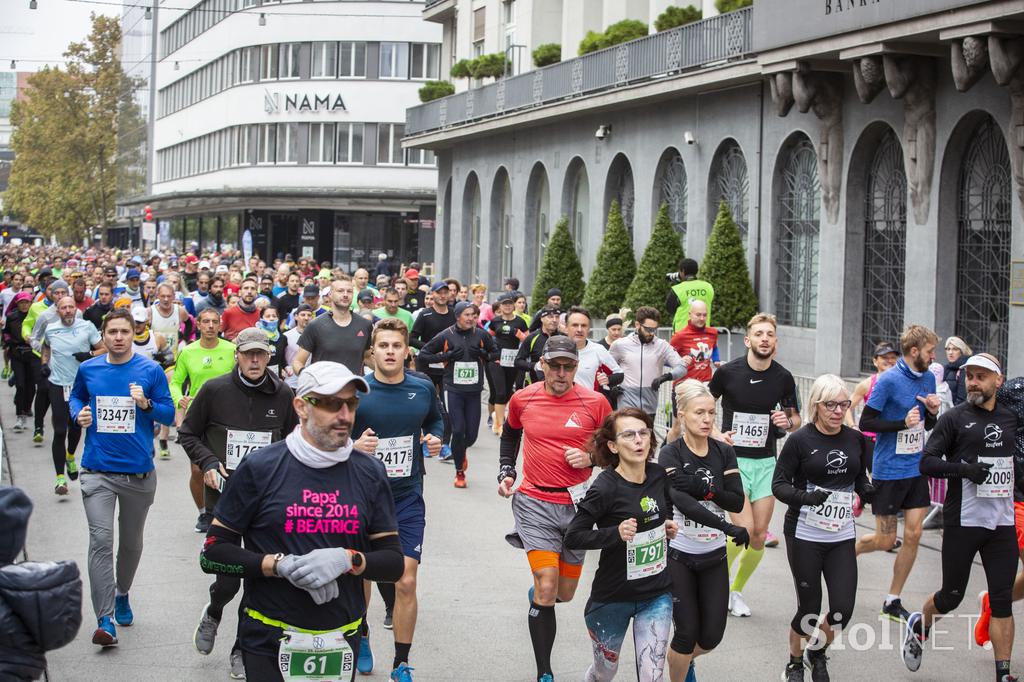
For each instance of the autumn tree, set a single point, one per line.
(68, 163)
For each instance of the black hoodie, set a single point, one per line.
(40, 602)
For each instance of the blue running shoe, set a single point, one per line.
(446, 453)
(403, 673)
(546, 677)
(530, 594)
(123, 610)
(106, 633)
(365, 662)
(691, 674)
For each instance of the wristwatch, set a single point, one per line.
(277, 560)
(357, 560)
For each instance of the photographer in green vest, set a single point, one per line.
(686, 288)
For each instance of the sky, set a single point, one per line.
(36, 37)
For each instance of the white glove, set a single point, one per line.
(319, 567)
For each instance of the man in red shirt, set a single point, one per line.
(243, 314)
(82, 300)
(697, 344)
(553, 419)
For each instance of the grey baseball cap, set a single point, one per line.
(252, 339)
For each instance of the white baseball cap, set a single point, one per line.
(328, 378)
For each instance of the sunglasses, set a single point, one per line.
(332, 403)
(562, 366)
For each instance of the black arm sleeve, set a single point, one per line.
(862, 485)
(223, 554)
(939, 443)
(431, 351)
(523, 363)
(930, 420)
(508, 452)
(730, 499)
(694, 510)
(416, 333)
(785, 473)
(384, 562)
(871, 420)
(615, 379)
(671, 305)
(581, 533)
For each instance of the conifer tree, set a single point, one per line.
(560, 269)
(614, 270)
(725, 267)
(662, 255)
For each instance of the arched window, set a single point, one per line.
(580, 205)
(620, 189)
(471, 225)
(672, 191)
(885, 247)
(799, 208)
(983, 243)
(732, 185)
(503, 204)
(538, 200)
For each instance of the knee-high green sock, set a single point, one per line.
(749, 559)
(732, 550)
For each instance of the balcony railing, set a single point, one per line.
(694, 46)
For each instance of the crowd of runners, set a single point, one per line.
(308, 398)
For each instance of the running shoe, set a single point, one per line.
(465, 462)
(691, 673)
(37, 436)
(460, 479)
(403, 673)
(203, 522)
(981, 627)
(206, 633)
(165, 453)
(61, 486)
(794, 672)
(364, 664)
(6, 372)
(912, 649)
(894, 611)
(895, 546)
(816, 661)
(446, 454)
(490, 420)
(529, 595)
(72, 466)
(770, 540)
(237, 665)
(546, 677)
(388, 621)
(123, 610)
(737, 606)
(106, 633)
(19, 423)
(1008, 678)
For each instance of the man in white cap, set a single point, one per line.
(317, 519)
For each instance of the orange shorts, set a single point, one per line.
(540, 558)
(1018, 515)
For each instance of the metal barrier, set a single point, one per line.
(701, 44)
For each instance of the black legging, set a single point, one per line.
(809, 561)
(66, 433)
(24, 386)
(464, 411)
(502, 382)
(42, 402)
(998, 549)
(700, 599)
(438, 381)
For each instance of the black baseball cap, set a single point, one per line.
(310, 290)
(884, 348)
(554, 292)
(560, 347)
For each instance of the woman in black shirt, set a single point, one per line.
(629, 505)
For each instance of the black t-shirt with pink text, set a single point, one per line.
(279, 504)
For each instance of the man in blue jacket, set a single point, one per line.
(118, 399)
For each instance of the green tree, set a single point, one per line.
(614, 270)
(489, 65)
(432, 90)
(674, 16)
(547, 54)
(662, 255)
(560, 269)
(725, 267)
(724, 6)
(65, 139)
(619, 32)
(461, 69)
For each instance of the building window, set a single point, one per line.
(394, 60)
(479, 24)
(799, 210)
(287, 143)
(323, 60)
(885, 248)
(389, 144)
(620, 189)
(241, 142)
(321, 142)
(352, 60)
(350, 143)
(672, 191)
(421, 157)
(425, 61)
(268, 62)
(580, 203)
(732, 186)
(984, 233)
(288, 60)
(266, 149)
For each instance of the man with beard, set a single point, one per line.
(759, 405)
(214, 298)
(902, 406)
(289, 299)
(243, 314)
(643, 358)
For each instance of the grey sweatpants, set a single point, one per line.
(100, 494)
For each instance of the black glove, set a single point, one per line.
(867, 496)
(975, 472)
(44, 371)
(506, 471)
(693, 485)
(738, 534)
(656, 384)
(456, 353)
(84, 355)
(815, 498)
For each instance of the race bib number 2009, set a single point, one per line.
(323, 657)
(1000, 477)
(115, 414)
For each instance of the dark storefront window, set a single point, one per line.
(359, 237)
(229, 232)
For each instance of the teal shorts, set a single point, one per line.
(756, 475)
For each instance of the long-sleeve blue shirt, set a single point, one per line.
(115, 448)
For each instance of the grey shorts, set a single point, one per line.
(541, 526)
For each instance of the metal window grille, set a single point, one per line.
(623, 193)
(733, 186)
(983, 243)
(673, 190)
(885, 247)
(798, 230)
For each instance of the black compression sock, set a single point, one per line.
(387, 593)
(163, 444)
(796, 660)
(401, 654)
(1002, 669)
(364, 631)
(542, 634)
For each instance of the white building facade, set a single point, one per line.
(285, 119)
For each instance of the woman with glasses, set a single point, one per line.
(820, 470)
(627, 503)
(705, 484)
(957, 352)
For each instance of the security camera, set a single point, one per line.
(603, 131)
(689, 138)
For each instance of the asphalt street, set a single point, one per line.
(473, 603)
